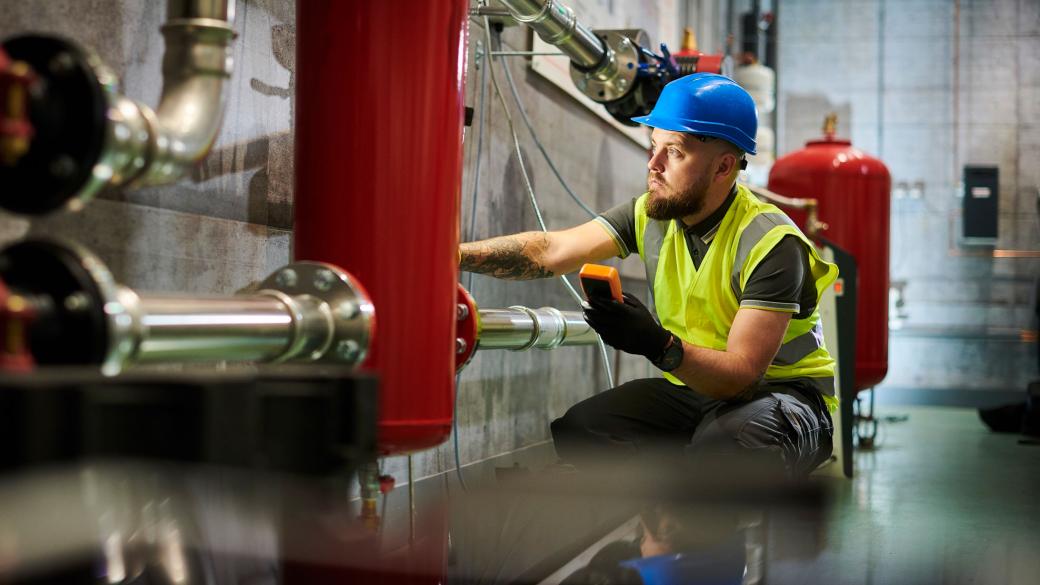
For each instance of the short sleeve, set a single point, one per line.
(779, 282)
(620, 222)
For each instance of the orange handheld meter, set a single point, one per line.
(600, 281)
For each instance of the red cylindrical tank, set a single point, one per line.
(379, 116)
(853, 190)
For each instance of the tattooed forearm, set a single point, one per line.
(516, 257)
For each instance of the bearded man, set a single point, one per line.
(734, 324)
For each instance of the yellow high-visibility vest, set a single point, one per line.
(699, 304)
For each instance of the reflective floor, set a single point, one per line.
(940, 500)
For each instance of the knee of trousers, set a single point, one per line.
(575, 420)
(750, 426)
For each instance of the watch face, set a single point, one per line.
(672, 356)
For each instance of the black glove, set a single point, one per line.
(627, 326)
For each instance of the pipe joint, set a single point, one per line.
(103, 139)
(557, 25)
(520, 328)
(306, 311)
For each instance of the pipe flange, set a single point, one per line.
(346, 302)
(93, 318)
(68, 108)
(467, 330)
(616, 75)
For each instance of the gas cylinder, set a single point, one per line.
(854, 194)
(378, 117)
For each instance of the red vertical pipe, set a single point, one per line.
(379, 117)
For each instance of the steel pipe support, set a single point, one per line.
(306, 311)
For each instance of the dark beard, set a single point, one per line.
(688, 202)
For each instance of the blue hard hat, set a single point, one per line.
(706, 104)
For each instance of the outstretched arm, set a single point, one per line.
(531, 255)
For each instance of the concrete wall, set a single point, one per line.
(888, 68)
(231, 224)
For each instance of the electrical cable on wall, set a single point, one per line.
(470, 234)
(530, 189)
(471, 227)
(548, 159)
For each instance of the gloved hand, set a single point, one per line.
(627, 326)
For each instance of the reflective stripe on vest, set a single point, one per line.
(691, 302)
(800, 347)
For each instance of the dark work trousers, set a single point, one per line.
(787, 424)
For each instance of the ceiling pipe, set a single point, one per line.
(89, 137)
(556, 23)
(605, 64)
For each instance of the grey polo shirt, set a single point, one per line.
(782, 281)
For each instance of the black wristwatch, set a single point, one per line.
(672, 355)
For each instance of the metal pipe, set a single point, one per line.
(556, 23)
(525, 54)
(142, 146)
(196, 65)
(811, 206)
(519, 328)
(186, 328)
(307, 311)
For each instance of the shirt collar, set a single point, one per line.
(707, 228)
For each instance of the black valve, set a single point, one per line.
(67, 109)
(69, 327)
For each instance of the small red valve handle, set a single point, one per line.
(16, 314)
(16, 130)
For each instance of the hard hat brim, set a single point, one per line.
(701, 128)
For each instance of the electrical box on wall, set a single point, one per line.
(981, 204)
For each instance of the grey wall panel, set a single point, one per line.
(912, 128)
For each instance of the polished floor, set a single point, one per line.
(941, 499)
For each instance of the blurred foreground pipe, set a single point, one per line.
(306, 311)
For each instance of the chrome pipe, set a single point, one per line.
(215, 9)
(519, 328)
(199, 329)
(604, 64)
(196, 67)
(557, 25)
(306, 311)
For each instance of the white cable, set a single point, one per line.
(530, 189)
(470, 228)
(538, 143)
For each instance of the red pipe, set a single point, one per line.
(379, 117)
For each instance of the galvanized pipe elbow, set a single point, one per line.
(196, 66)
(91, 137)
